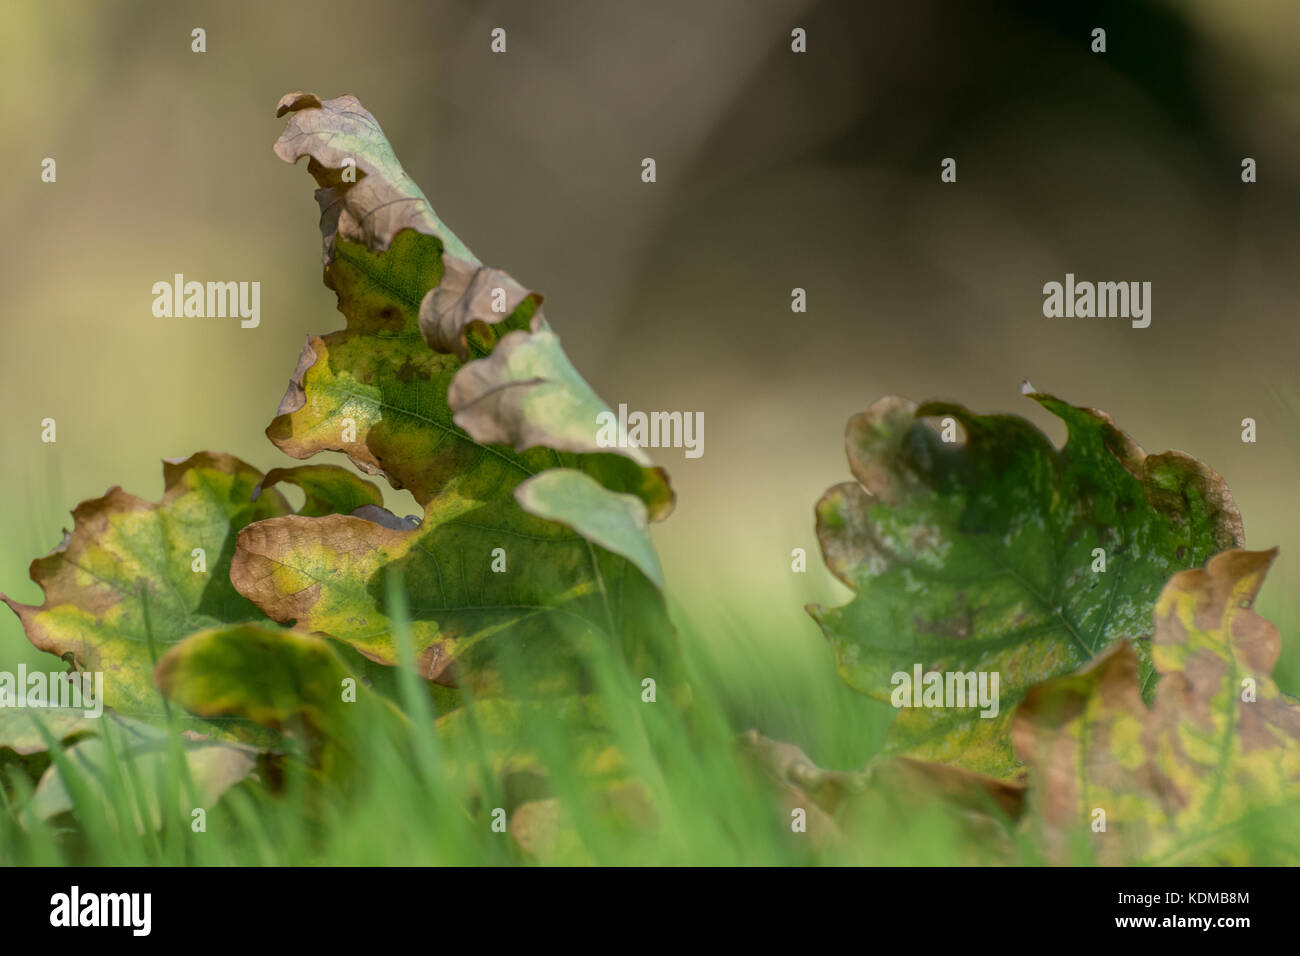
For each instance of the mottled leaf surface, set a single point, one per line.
(1210, 774)
(375, 199)
(282, 680)
(328, 489)
(126, 584)
(977, 556)
(121, 589)
(556, 591)
(378, 392)
(375, 390)
(527, 394)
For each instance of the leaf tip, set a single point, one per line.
(298, 100)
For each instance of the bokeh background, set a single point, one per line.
(775, 170)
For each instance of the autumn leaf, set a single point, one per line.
(998, 554)
(282, 680)
(133, 577)
(328, 489)
(447, 381)
(1210, 774)
(19, 731)
(376, 390)
(144, 759)
(554, 591)
(854, 811)
(380, 200)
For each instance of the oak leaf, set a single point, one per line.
(1209, 774)
(997, 554)
(448, 382)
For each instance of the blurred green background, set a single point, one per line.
(775, 170)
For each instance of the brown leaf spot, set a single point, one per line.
(411, 369)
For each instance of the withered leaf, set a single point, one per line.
(134, 577)
(467, 421)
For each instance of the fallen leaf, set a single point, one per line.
(391, 261)
(495, 558)
(977, 556)
(1210, 774)
(282, 680)
(133, 577)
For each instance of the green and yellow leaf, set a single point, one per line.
(328, 489)
(1210, 774)
(985, 555)
(134, 577)
(448, 382)
(282, 680)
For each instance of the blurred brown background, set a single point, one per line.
(775, 170)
